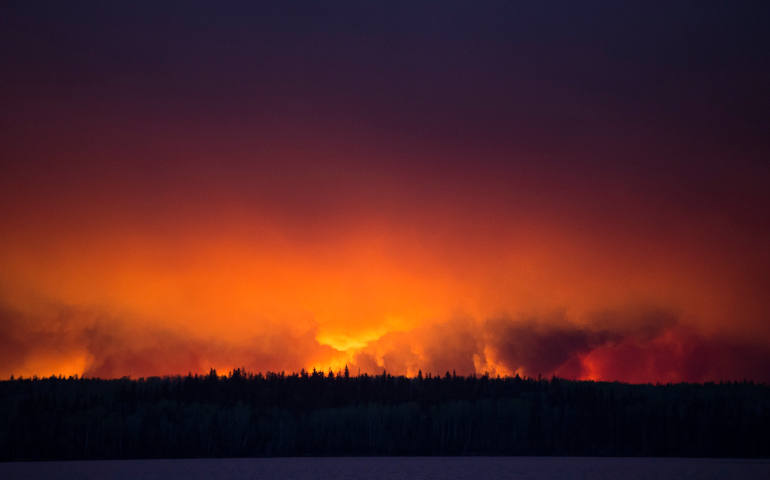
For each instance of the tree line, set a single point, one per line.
(311, 413)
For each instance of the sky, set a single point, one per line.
(537, 188)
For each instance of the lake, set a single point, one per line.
(444, 468)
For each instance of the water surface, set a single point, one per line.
(444, 468)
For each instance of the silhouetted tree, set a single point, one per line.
(245, 414)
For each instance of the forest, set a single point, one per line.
(241, 414)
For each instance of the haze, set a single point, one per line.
(578, 190)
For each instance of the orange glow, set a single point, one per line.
(494, 191)
(381, 297)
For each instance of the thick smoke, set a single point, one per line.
(635, 345)
(110, 347)
(552, 345)
(436, 348)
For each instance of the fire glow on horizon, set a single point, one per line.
(402, 203)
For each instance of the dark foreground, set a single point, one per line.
(315, 415)
(444, 468)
